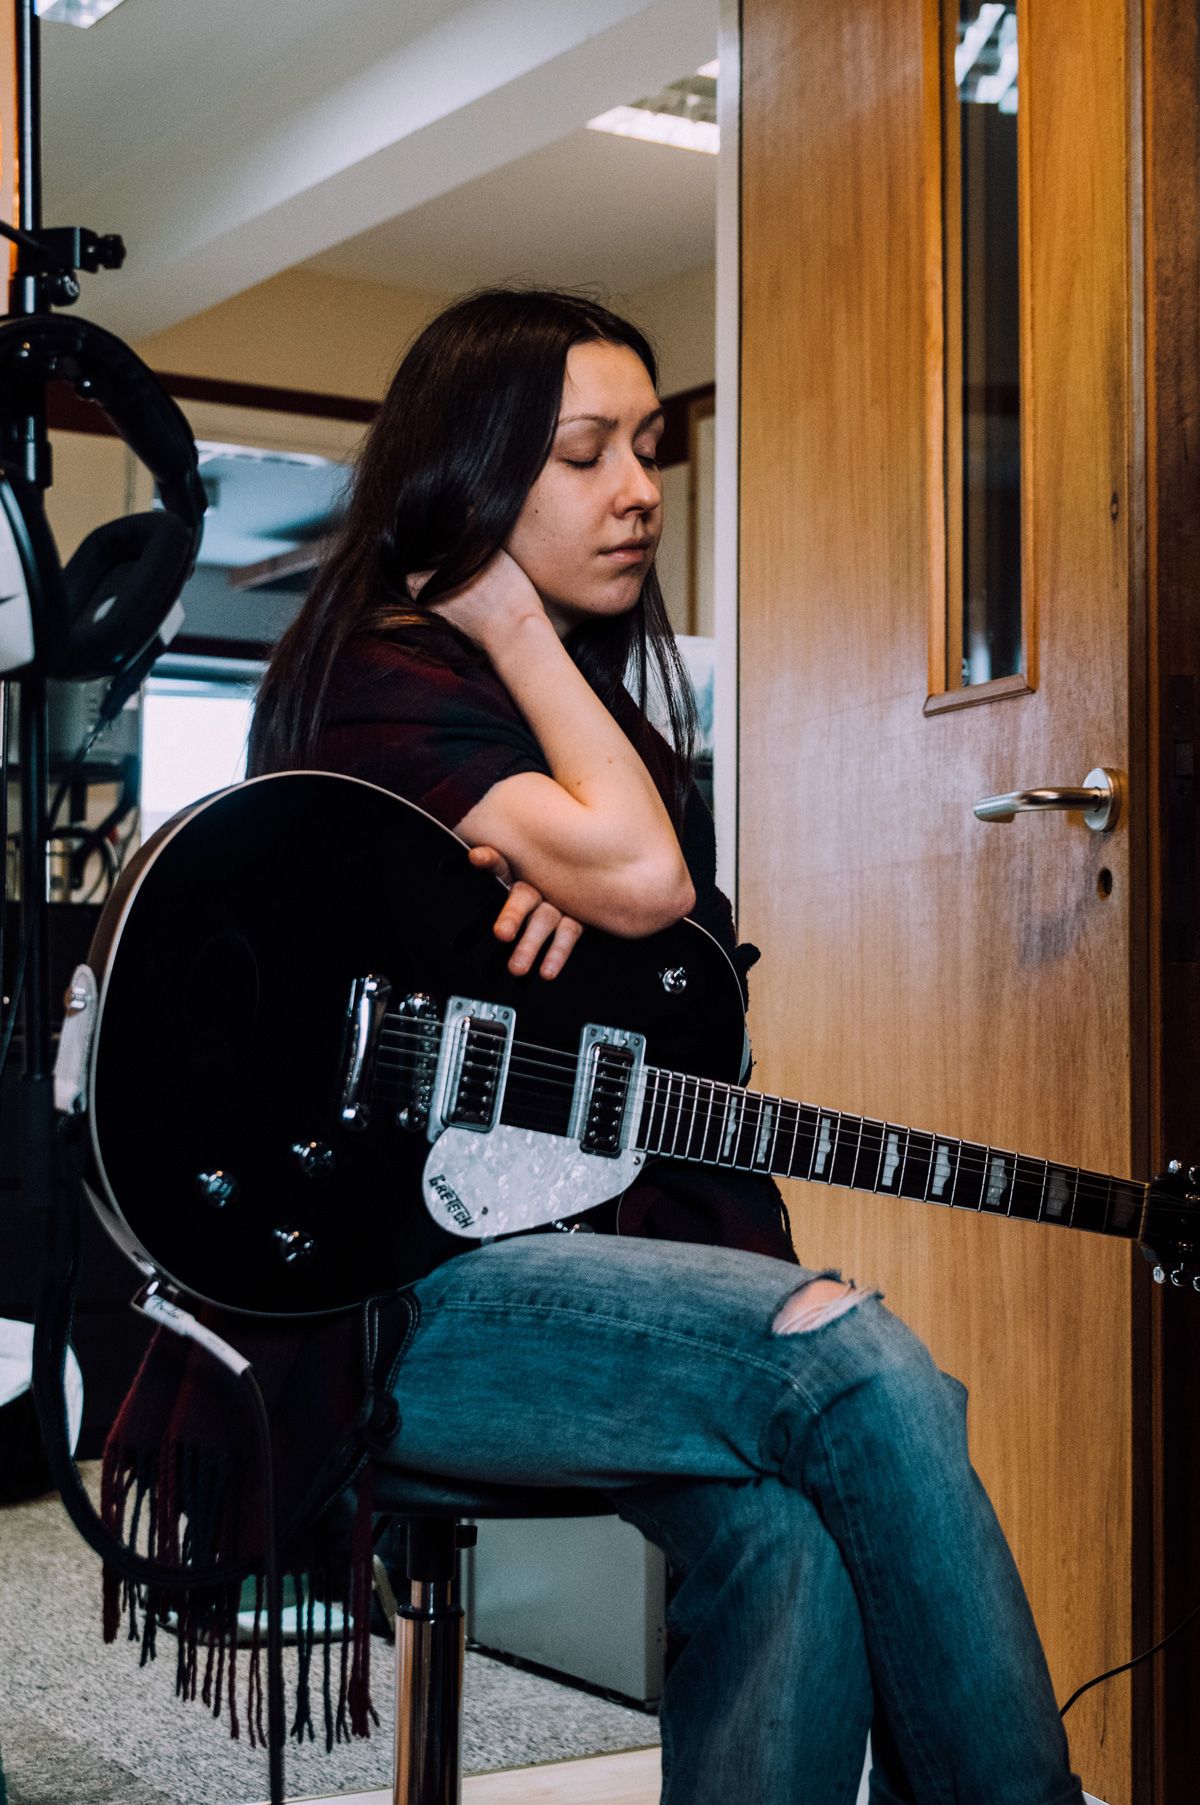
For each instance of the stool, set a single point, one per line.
(430, 1627)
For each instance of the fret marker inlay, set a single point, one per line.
(764, 1135)
(891, 1160)
(941, 1170)
(824, 1144)
(1056, 1194)
(997, 1182)
(733, 1121)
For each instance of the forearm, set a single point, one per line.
(588, 754)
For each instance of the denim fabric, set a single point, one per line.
(840, 1566)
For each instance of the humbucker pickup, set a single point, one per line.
(472, 1066)
(608, 1078)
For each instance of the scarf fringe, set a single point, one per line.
(184, 1507)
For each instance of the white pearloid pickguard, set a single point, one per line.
(479, 1185)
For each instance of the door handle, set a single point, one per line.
(1100, 797)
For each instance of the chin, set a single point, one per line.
(603, 606)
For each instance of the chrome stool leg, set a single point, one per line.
(430, 1634)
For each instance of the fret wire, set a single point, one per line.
(687, 1151)
(954, 1180)
(748, 1126)
(737, 1121)
(650, 1104)
(666, 1113)
(754, 1102)
(908, 1134)
(683, 1103)
(655, 1105)
(678, 1115)
(663, 1101)
(812, 1158)
(775, 1135)
(791, 1158)
(862, 1122)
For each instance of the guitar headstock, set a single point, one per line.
(1171, 1234)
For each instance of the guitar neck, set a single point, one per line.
(708, 1123)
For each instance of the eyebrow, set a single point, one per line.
(651, 418)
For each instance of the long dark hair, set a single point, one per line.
(464, 430)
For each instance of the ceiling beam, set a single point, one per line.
(351, 130)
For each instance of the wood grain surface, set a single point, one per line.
(920, 966)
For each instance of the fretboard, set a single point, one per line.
(713, 1124)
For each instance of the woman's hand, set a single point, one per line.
(491, 605)
(528, 919)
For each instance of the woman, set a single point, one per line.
(793, 1448)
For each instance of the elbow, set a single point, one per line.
(653, 898)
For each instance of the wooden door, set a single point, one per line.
(986, 981)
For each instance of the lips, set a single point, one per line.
(628, 548)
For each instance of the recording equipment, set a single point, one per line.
(114, 605)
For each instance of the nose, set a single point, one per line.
(639, 490)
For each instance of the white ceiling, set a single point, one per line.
(591, 208)
(430, 143)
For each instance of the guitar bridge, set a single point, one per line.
(472, 1066)
(608, 1078)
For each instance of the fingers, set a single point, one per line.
(522, 901)
(559, 951)
(486, 858)
(540, 927)
(536, 927)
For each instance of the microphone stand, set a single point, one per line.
(46, 275)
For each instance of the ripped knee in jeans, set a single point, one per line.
(817, 1302)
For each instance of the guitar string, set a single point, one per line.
(871, 1139)
(974, 1159)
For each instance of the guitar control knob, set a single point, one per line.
(314, 1158)
(673, 979)
(293, 1245)
(1179, 1277)
(216, 1188)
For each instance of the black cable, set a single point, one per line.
(1136, 1661)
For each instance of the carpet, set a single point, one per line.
(80, 1721)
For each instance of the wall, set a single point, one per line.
(300, 330)
(306, 330)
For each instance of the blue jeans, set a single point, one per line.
(840, 1566)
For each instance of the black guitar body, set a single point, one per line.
(225, 961)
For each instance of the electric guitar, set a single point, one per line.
(310, 1078)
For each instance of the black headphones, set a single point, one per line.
(102, 614)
